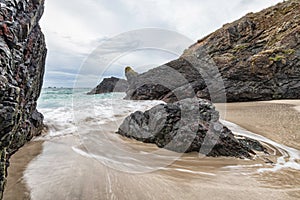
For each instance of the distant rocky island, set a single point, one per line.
(257, 56)
(114, 84)
(109, 85)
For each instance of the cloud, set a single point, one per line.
(74, 28)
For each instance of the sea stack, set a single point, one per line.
(23, 53)
(109, 85)
(130, 74)
(257, 57)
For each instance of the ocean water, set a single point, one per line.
(65, 109)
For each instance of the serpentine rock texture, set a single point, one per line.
(22, 58)
(109, 85)
(254, 58)
(186, 126)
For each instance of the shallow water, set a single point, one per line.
(83, 158)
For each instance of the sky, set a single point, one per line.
(78, 31)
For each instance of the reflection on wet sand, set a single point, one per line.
(95, 165)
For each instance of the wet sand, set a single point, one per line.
(277, 120)
(60, 173)
(16, 187)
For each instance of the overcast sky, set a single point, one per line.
(74, 28)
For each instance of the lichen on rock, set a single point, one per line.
(130, 75)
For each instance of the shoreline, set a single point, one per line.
(265, 118)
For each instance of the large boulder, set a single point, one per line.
(254, 58)
(109, 85)
(22, 56)
(186, 126)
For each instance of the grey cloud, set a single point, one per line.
(73, 28)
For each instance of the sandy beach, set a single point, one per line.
(16, 187)
(52, 170)
(277, 120)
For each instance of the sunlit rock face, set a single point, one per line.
(22, 57)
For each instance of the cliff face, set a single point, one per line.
(22, 58)
(258, 57)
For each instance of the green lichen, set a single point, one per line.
(277, 58)
(276, 96)
(289, 51)
(240, 47)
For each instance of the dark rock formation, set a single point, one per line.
(254, 58)
(109, 85)
(185, 126)
(22, 57)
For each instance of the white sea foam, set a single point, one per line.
(193, 172)
(79, 110)
(290, 156)
(59, 121)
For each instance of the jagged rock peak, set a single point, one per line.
(130, 75)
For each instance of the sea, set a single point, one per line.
(64, 108)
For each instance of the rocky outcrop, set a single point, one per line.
(186, 126)
(130, 74)
(256, 58)
(109, 85)
(22, 56)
